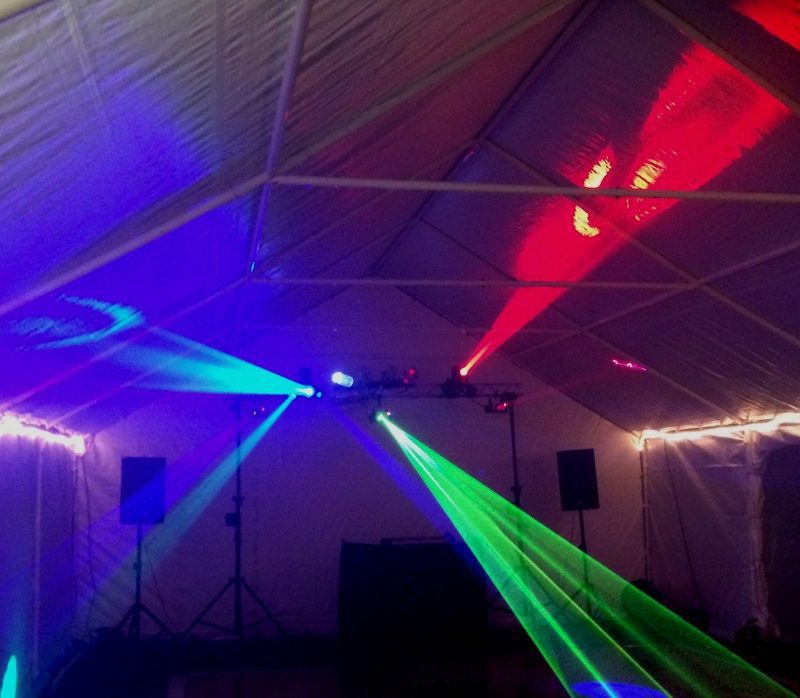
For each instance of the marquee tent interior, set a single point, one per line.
(574, 217)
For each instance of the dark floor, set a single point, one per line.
(504, 665)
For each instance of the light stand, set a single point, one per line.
(237, 582)
(516, 488)
(134, 614)
(587, 586)
(505, 403)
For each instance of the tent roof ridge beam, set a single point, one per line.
(419, 214)
(341, 258)
(157, 231)
(438, 74)
(538, 67)
(294, 52)
(789, 198)
(340, 326)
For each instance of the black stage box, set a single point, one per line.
(410, 596)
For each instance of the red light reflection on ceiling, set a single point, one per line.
(580, 218)
(781, 18)
(706, 116)
(628, 365)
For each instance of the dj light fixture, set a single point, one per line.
(342, 379)
(500, 403)
(456, 385)
(601, 635)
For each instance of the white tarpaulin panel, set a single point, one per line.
(718, 505)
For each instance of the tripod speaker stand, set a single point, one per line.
(237, 582)
(137, 609)
(141, 502)
(577, 481)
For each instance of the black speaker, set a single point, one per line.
(577, 479)
(142, 490)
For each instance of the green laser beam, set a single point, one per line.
(601, 635)
(562, 640)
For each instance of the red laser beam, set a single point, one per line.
(705, 117)
(781, 18)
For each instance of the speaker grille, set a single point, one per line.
(577, 479)
(142, 490)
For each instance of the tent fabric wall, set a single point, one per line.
(37, 570)
(781, 517)
(705, 525)
(134, 138)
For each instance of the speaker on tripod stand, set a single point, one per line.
(141, 502)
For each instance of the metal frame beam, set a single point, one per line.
(294, 52)
(773, 198)
(327, 229)
(470, 283)
(508, 104)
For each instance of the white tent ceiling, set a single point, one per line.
(147, 163)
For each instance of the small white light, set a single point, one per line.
(339, 378)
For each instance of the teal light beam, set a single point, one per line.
(122, 318)
(183, 514)
(199, 368)
(8, 689)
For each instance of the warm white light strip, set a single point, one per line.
(695, 433)
(12, 425)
